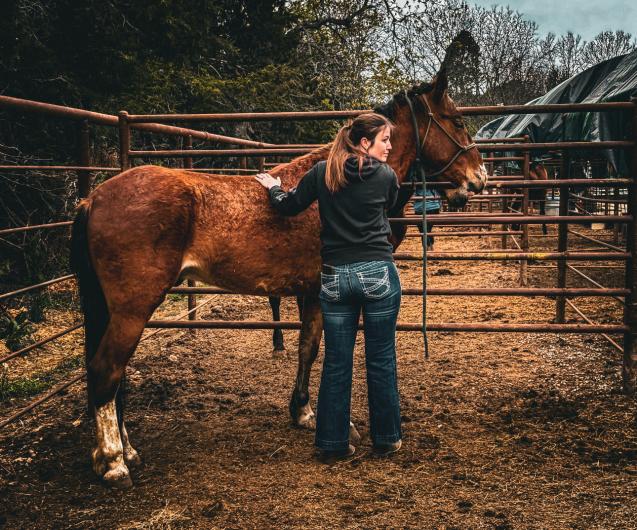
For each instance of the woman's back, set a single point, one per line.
(354, 224)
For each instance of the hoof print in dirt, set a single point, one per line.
(214, 509)
(464, 506)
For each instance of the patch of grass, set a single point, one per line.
(176, 297)
(23, 387)
(15, 330)
(20, 388)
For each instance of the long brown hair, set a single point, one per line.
(346, 144)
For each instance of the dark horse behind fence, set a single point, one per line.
(141, 232)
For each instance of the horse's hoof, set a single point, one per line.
(354, 435)
(132, 458)
(279, 353)
(118, 477)
(307, 421)
(305, 417)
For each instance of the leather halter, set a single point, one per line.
(432, 119)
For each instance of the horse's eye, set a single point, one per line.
(458, 123)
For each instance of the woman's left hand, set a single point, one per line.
(267, 181)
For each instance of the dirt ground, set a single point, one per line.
(501, 431)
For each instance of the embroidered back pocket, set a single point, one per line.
(375, 282)
(329, 287)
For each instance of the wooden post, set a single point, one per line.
(192, 298)
(562, 242)
(124, 140)
(629, 367)
(526, 168)
(84, 159)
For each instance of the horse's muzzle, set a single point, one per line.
(458, 197)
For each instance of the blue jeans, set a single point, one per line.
(374, 287)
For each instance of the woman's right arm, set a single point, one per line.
(297, 199)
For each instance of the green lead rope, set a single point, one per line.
(418, 171)
(424, 261)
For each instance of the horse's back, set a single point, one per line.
(163, 224)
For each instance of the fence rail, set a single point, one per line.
(509, 184)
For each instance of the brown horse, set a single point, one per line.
(142, 231)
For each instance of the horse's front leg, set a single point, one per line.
(309, 342)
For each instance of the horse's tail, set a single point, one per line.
(92, 298)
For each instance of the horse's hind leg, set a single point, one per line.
(131, 456)
(104, 372)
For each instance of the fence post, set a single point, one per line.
(562, 241)
(124, 139)
(526, 168)
(616, 226)
(84, 159)
(629, 366)
(192, 298)
(505, 208)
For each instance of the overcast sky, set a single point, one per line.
(586, 17)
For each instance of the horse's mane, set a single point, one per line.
(305, 162)
(389, 109)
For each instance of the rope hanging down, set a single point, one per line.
(416, 171)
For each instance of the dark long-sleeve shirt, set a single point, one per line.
(354, 225)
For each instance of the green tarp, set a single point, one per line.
(611, 80)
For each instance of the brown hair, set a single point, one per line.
(346, 144)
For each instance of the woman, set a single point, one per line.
(354, 188)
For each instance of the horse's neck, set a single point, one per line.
(400, 160)
(403, 153)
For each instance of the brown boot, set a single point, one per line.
(331, 457)
(388, 449)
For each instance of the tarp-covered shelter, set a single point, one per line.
(611, 80)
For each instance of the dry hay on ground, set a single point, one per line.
(500, 430)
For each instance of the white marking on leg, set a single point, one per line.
(305, 417)
(108, 458)
(354, 436)
(131, 456)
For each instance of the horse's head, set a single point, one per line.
(448, 152)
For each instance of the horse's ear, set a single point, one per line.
(440, 82)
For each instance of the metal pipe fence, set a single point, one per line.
(153, 123)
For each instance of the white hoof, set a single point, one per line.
(118, 477)
(305, 417)
(279, 354)
(112, 471)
